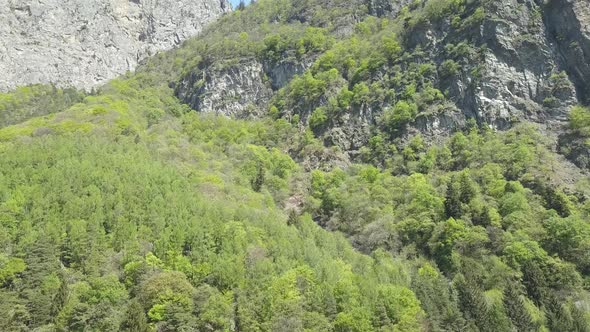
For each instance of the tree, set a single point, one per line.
(293, 219)
(39, 280)
(515, 308)
(581, 323)
(559, 317)
(453, 207)
(441, 305)
(395, 118)
(473, 303)
(135, 319)
(535, 282)
(259, 178)
(61, 297)
(460, 151)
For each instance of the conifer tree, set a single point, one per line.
(135, 320)
(293, 219)
(473, 303)
(581, 323)
(258, 180)
(534, 281)
(516, 310)
(559, 317)
(61, 297)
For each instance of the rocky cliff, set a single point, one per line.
(241, 89)
(84, 43)
(497, 63)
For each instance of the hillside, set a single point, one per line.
(310, 165)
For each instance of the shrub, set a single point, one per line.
(399, 115)
(580, 119)
(318, 118)
(449, 68)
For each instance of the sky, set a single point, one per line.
(236, 2)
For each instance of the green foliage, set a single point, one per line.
(215, 245)
(35, 100)
(437, 9)
(398, 116)
(516, 309)
(580, 120)
(9, 268)
(455, 218)
(135, 320)
(124, 210)
(290, 40)
(318, 118)
(437, 299)
(473, 303)
(449, 68)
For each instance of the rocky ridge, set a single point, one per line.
(527, 61)
(84, 43)
(241, 89)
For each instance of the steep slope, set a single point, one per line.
(567, 23)
(395, 172)
(495, 62)
(128, 200)
(85, 43)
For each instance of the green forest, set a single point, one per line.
(123, 209)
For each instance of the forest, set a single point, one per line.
(123, 209)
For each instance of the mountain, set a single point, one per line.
(83, 44)
(312, 165)
(498, 63)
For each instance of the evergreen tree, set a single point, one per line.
(453, 208)
(293, 219)
(468, 188)
(535, 282)
(259, 178)
(473, 303)
(581, 323)
(382, 319)
(498, 320)
(516, 310)
(438, 300)
(135, 320)
(558, 316)
(61, 297)
(42, 262)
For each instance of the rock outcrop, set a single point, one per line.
(496, 63)
(84, 43)
(568, 23)
(232, 90)
(529, 61)
(239, 90)
(519, 73)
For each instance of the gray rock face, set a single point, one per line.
(520, 70)
(521, 79)
(533, 66)
(84, 43)
(233, 90)
(238, 90)
(282, 72)
(386, 7)
(568, 23)
(518, 60)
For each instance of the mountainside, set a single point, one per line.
(82, 44)
(311, 165)
(498, 63)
